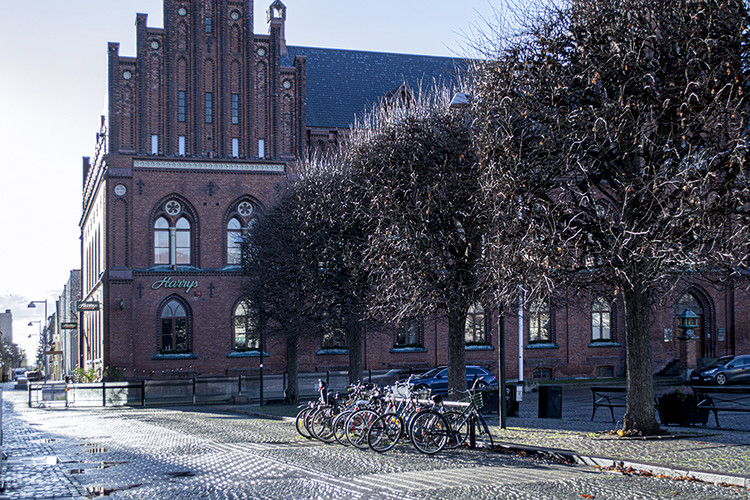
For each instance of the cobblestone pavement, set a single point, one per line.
(209, 453)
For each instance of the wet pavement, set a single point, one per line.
(245, 451)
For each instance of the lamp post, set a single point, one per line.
(32, 305)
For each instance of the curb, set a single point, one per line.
(625, 466)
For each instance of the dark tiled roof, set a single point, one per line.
(342, 84)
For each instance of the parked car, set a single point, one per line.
(394, 375)
(35, 376)
(18, 373)
(722, 371)
(437, 379)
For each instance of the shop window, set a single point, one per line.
(175, 334)
(539, 322)
(409, 333)
(245, 325)
(601, 320)
(475, 332)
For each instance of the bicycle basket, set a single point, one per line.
(477, 399)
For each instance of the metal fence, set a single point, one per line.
(200, 390)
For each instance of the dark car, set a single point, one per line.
(395, 375)
(724, 370)
(437, 379)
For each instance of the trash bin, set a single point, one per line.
(511, 400)
(490, 401)
(550, 401)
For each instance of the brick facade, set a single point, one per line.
(203, 126)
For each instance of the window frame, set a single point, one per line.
(409, 333)
(208, 105)
(186, 318)
(535, 317)
(479, 327)
(599, 313)
(251, 323)
(179, 233)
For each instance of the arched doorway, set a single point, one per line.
(692, 300)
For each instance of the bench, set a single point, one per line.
(609, 397)
(718, 399)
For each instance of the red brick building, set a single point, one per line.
(203, 127)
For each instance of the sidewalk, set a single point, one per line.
(705, 453)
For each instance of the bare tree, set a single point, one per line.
(614, 132)
(276, 262)
(413, 160)
(330, 214)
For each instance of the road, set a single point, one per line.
(202, 452)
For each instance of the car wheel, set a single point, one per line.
(721, 379)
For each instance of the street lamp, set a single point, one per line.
(32, 305)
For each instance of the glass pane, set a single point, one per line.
(161, 255)
(606, 326)
(161, 223)
(180, 334)
(166, 334)
(234, 224)
(239, 340)
(183, 256)
(183, 239)
(161, 239)
(182, 223)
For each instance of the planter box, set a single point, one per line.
(680, 409)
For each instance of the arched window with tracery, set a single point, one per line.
(175, 328)
(173, 235)
(238, 228)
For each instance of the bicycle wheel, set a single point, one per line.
(385, 432)
(299, 423)
(430, 432)
(339, 427)
(357, 426)
(483, 435)
(321, 425)
(459, 428)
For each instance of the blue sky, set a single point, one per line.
(53, 56)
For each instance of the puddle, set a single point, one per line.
(181, 474)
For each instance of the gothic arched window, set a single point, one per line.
(245, 326)
(175, 334)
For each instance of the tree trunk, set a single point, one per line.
(640, 416)
(292, 357)
(457, 349)
(354, 335)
